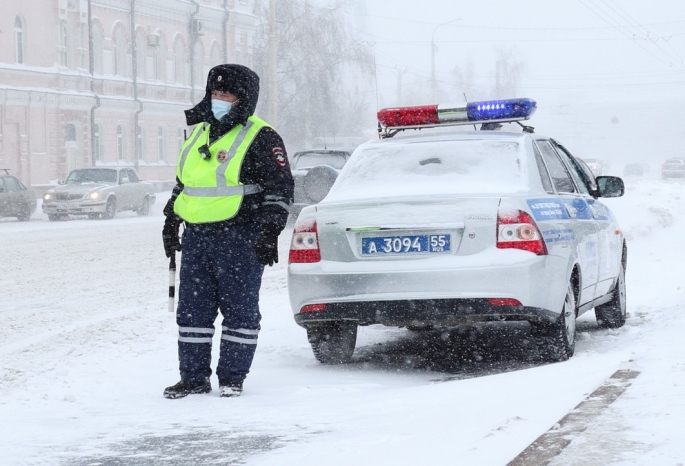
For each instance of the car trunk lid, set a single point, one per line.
(415, 228)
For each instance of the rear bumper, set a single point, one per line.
(424, 313)
(399, 293)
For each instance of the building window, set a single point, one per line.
(70, 133)
(96, 143)
(141, 54)
(216, 55)
(64, 44)
(119, 52)
(179, 61)
(97, 49)
(160, 143)
(19, 40)
(120, 143)
(198, 65)
(159, 53)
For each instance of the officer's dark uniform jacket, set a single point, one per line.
(265, 163)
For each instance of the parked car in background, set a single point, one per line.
(99, 192)
(16, 200)
(448, 228)
(598, 166)
(673, 168)
(634, 169)
(314, 172)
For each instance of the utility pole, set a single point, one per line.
(273, 65)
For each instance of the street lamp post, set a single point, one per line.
(433, 50)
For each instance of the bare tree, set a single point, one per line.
(318, 61)
(506, 79)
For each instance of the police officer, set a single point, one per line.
(234, 190)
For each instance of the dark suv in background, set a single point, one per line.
(314, 172)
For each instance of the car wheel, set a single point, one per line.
(25, 214)
(110, 209)
(613, 313)
(93, 216)
(145, 208)
(557, 341)
(56, 217)
(318, 181)
(332, 342)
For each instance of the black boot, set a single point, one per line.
(187, 387)
(229, 388)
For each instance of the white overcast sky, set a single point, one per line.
(617, 47)
(625, 58)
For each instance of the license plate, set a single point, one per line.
(62, 207)
(405, 244)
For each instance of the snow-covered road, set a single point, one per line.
(87, 346)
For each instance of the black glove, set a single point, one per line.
(170, 235)
(267, 244)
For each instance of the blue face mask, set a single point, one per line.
(220, 108)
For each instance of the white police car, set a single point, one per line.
(442, 227)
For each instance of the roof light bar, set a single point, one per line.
(473, 112)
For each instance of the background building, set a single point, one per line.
(105, 82)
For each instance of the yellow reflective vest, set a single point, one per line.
(212, 191)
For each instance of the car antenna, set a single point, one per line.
(526, 128)
(6, 170)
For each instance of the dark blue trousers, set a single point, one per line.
(219, 270)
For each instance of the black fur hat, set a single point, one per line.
(240, 81)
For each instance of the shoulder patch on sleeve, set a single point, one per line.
(279, 155)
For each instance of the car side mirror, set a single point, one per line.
(610, 186)
(61, 181)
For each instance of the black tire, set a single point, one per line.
(318, 181)
(557, 341)
(613, 313)
(25, 214)
(110, 209)
(333, 342)
(144, 210)
(56, 217)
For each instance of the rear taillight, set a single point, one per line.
(504, 302)
(304, 247)
(313, 308)
(517, 230)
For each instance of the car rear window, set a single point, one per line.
(435, 167)
(675, 161)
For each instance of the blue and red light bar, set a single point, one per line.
(473, 112)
